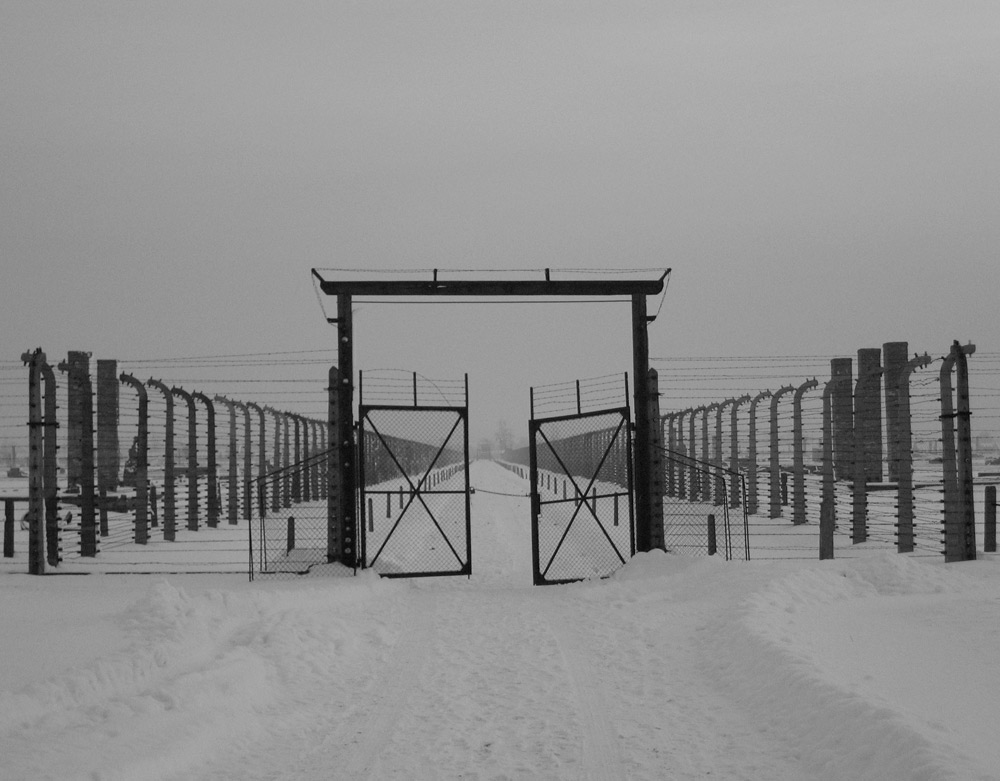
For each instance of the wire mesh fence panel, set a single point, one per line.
(701, 523)
(415, 491)
(582, 519)
(293, 541)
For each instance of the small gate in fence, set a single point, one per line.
(414, 489)
(290, 534)
(582, 512)
(704, 508)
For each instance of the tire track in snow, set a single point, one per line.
(372, 731)
(602, 754)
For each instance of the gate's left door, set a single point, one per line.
(414, 478)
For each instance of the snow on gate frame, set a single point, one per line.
(342, 543)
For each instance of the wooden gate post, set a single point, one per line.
(646, 537)
(656, 471)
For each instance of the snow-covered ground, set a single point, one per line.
(880, 666)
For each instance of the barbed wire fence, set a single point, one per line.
(208, 528)
(693, 388)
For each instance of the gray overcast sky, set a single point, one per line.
(820, 176)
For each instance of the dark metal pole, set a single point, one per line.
(347, 484)
(647, 538)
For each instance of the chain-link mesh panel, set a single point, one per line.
(414, 495)
(289, 536)
(704, 510)
(583, 519)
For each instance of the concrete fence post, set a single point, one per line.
(232, 473)
(901, 453)
(667, 437)
(286, 460)
(50, 470)
(798, 455)
(141, 529)
(297, 460)
(868, 413)
(959, 512)
(36, 507)
(680, 472)
(706, 455)
(192, 459)
(828, 500)
(752, 488)
(108, 470)
(867, 452)
(169, 489)
(990, 520)
(261, 458)
(842, 417)
(775, 459)
(82, 440)
(694, 482)
(734, 452)
(719, 493)
(212, 476)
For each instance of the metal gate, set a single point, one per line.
(414, 478)
(582, 518)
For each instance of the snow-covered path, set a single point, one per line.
(673, 668)
(490, 678)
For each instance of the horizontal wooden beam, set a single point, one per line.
(473, 288)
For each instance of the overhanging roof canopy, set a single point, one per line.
(435, 283)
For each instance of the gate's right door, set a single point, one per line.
(582, 518)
